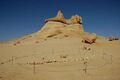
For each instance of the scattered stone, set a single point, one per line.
(43, 58)
(66, 35)
(18, 42)
(49, 61)
(41, 62)
(36, 41)
(54, 60)
(66, 60)
(86, 48)
(112, 38)
(63, 56)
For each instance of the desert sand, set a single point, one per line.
(56, 52)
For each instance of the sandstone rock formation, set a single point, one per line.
(60, 18)
(61, 26)
(74, 20)
(51, 29)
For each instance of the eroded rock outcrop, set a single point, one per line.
(74, 20)
(52, 29)
(60, 26)
(60, 18)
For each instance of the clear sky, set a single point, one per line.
(20, 17)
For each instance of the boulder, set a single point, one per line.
(89, 38)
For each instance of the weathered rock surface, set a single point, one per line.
(60, 18)
(89, 38)
(61, 26)
(74, 20)
(52, 28)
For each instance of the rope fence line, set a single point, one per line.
(106, 58)
(35, 69)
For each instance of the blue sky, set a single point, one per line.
(21, 17)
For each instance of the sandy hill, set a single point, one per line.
(61, 50)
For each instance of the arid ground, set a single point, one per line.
(57, 52)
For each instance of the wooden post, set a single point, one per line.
(85, 63)
(12, 59)
(34, 68)
(85, 69)
(111, 58)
